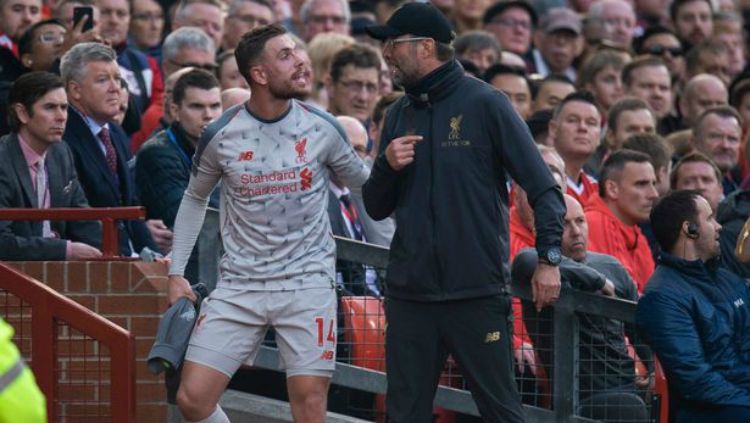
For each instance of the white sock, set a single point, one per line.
(217, 416)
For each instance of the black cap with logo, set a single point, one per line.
(419, 19)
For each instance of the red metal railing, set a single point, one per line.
(107, 215)
(54, 317)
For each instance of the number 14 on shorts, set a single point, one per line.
(331, 337)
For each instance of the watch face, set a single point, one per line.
(554, 256)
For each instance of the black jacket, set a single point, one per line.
(732, 213)
(451, 203)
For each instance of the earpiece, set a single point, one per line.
(692, 231)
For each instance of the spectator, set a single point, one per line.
(575, 127)
(662, 42)
(478, 47)
(728, 30)
(717, 134)
(513, 83)
(321, 16)
(740, 100)
(467, 14)
(37, 171)
(601, 75)
(606, 372)
(709, 56)
(41, 46)
(321, 51)
(185, 47)
(692, 20)
(702, 92)
(140, 72)
(617, 19)
(551, 91)
(63, 12)
(627, 191)
(648, 78)
(512, 23)
(207, 15)
(228, 73)
(347, 215)
(659, 153)
(100, 148)
(146, 27)
(694, 315)
(698, 173)
(353, 84)
(538, 124)
(16, 16)
(558, 42)
(234, 96)
(162, 166)
(629, 116)
(652, 13)
(733, 214)
(376, 124)
(242, 17)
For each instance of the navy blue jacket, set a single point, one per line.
(696, 318)
(451, 203)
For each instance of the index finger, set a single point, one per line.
(78, 27)
(411, 139)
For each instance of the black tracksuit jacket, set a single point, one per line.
(451, 203)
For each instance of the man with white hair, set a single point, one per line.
(319, 16)
(207, 15)
(617, 19)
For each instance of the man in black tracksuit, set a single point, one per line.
(446, 149)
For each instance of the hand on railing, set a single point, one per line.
(161, 234)
(179, 287)
(525, 357)
(545, 285)
(81, 251)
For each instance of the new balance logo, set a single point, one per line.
(245, 156)
(492, 337)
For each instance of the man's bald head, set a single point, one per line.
(356, 132)
(234, 96)
(702, 92)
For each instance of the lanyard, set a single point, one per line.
(173, 140)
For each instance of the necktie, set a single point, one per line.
(351, 215)
(110, 156)
(41, 195)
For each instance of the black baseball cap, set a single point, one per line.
(503, 5)
(420, 19)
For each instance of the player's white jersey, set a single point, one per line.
(274, 196)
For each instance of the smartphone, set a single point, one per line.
(79, 13)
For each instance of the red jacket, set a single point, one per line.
(609, 235)
(520, 238)
(588, 183)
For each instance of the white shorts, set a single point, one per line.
(232, 325)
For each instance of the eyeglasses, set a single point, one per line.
(323, 19)
(148, 17)
(52, 37)
(660, 50)
(512, 23)
(358, 86)
(392, 41)
(251, 20)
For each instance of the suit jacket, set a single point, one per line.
(22, 240)
(353, 274)
(98, 182)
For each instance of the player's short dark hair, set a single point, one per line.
(196, 78)
(670, 213)
(26, 91)
(252, 44)
(614, 164)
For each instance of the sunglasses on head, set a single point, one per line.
(660, 50)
